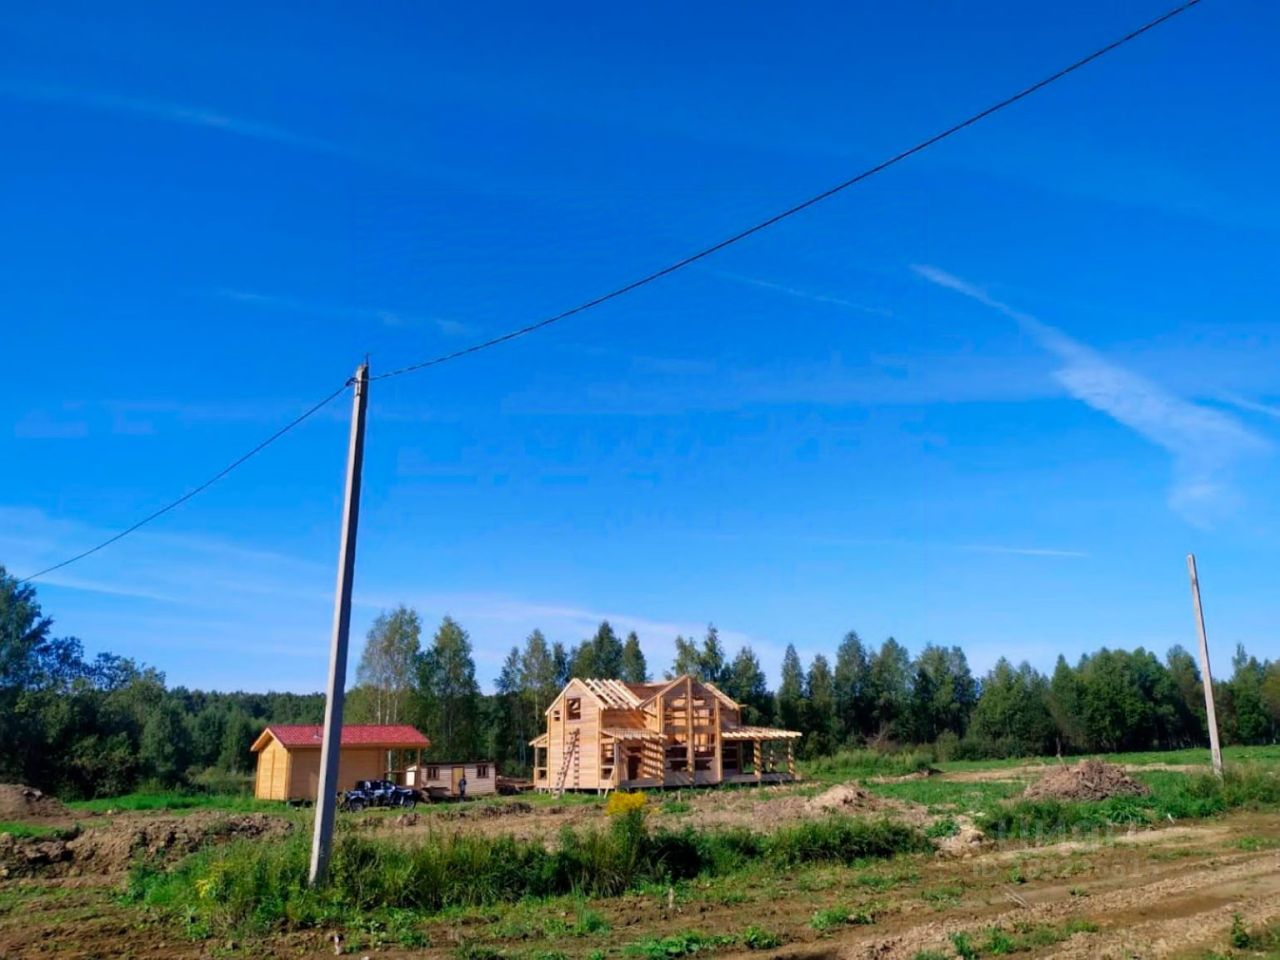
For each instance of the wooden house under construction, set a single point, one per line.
(606, 734)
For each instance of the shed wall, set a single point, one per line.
(272, 778)
(353, 765)
(477, 786)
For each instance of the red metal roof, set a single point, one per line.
(394, 736)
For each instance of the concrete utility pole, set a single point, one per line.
(331, 746)
(1210, 715)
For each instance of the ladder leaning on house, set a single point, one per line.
(570, 760)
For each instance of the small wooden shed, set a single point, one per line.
(289, 757)
(439, 776)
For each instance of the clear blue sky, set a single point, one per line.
(991, 397)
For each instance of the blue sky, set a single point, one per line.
(991, 397)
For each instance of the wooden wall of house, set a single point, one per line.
(353, 765)
(477, 785)
(585, 774)
(272, 778)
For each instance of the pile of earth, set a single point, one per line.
(115, 847)
(18, 802)
(1086, 780)
(845, 798)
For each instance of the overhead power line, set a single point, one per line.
(316, 408)
(797, 208)
(645, 280)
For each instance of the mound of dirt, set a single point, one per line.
(845, 798)
(966, 841)
(114, 848)
(1086, 780)
(516, 808)
(27, 803)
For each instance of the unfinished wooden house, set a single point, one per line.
(606, 734)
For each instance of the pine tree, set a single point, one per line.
(634, 668)
(511, 721)
(711, 665)
(889, 689)
(943, 693)
(600, 657)
(746, 683)
(791, 691)
(819, 709)
(852, 690)
(560, 662)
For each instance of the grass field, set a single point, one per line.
(174, 801)
(700, 872)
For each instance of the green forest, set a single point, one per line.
(104, 726)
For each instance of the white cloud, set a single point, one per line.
(43, 425)
(1252, 406)
(1205, 443)
(180, 114)
(810, 295)
(337, 311)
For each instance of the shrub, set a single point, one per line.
(839, 916)
(756, 938)
(676, 945)
(842, 840)
(257, 885)
(621, 803)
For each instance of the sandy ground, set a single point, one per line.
(1152, 893)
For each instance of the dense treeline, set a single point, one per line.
(105, 726)
(108, 725)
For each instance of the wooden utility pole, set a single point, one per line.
(1205, 675)
(331, 746)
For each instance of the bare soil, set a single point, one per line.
(114, 845)
(1086, 780)
(18, 802)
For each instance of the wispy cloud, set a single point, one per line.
(43, 425)
(801, 294)
(187, 115)
(336, 311)
(1205, 443)
(910, 543)
(1252, 406)
(1017, 551)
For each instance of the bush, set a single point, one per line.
(258, 885)
(842, 840)
(851, 764)
(622, 803)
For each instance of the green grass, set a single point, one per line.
(258, 886)
(757, 938)
(944, 896)
(832, 917)
(677, 945)
(23, 829)
(1174, 796)
(234, 803)
(850, 764)
(998, 941)
(1262, 943)
(942, 796)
